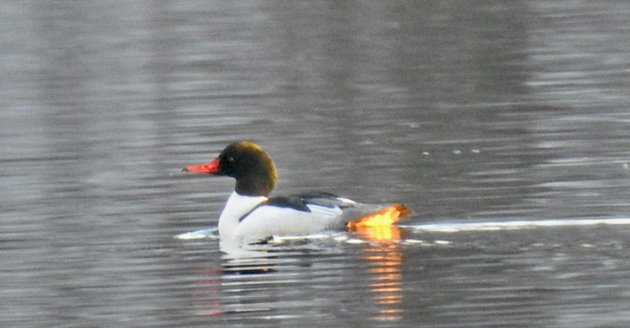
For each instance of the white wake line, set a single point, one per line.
(212, 233)
(514, 225)
(209, 233)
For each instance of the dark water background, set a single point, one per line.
(485, 111)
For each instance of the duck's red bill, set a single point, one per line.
(208, 168)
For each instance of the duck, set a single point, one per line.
(250, 213)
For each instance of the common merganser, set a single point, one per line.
(250, 214)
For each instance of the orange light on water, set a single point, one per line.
(389, 315)
(384, 217)
(385, 273)
(384, 254)
(379, 234)
(390, 300)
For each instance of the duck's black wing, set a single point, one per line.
(301, 202)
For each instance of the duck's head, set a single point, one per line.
(248, 163)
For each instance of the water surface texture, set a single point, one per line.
(503, 124)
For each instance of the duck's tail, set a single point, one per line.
(386, 216)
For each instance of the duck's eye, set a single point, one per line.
(230, 159)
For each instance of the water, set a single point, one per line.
(482, 117)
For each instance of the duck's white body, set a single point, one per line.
(235, 208)
(252, 218)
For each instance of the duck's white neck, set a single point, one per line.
(236, 206)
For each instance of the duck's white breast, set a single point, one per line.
(236, 206)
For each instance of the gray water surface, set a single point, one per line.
(481, 116)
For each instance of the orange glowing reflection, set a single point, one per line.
(389, 300)
(386, 276)
(385, 257)
(379, 233)
(381, 218)
(389, 315)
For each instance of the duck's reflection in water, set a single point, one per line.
(254, 281)
(226, 287)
